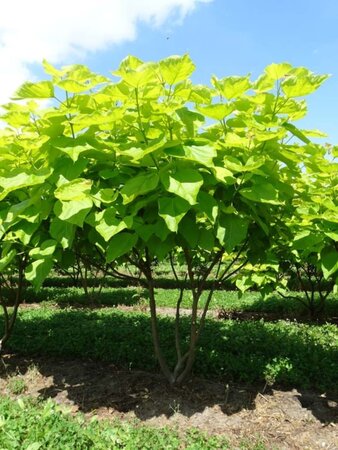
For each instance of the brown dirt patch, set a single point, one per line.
(282, 419)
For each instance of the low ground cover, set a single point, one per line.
(133, 405)
(252, 351)
(32, 424)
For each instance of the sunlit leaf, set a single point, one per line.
(42, 89)
(172, 210)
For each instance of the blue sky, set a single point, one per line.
(222, 37)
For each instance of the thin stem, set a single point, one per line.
(205, 310)
(69, 117)
(177, 325)
(173, 267)
(293, 297)
(10, 320)
(146, 267)
(303, 287)
(141, 128)
(226, 270)
(202, 281)
(235, 270)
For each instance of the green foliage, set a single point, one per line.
(134, 170)
(31, 424)
(245, 351)
(16, 385)
(111, 156)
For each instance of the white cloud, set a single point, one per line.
(31, 30)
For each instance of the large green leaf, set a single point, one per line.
(329, 261)
(204, 154)
(107, 224)
(231, 231)
(185, 183)
(139, 185)
(23, 231)
(119, 245)
(172, 210)
(232, 87)
(218, 111)
(135, 72)
(7, 259)
(176, 68)
(307, 239)
(189, 118)
(137, 153)
(145, 230)
(200, 94)
(158, 249)
(224, 175)
(206, 239)
(46, 249)
(277, 71)
(73, 151)
(19, 179)
(38, 270)
(141, 76)
(74, 190)
(74, 211)
(42, 89)
(296, 132)
(77, 87)
(302, 82)
(62, 232)
(236, 140)
(208, 205)
(262, 192)
(189, 229)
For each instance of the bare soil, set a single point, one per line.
(281, 419)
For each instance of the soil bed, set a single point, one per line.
(282, 419)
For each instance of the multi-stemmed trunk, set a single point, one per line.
(17, 289)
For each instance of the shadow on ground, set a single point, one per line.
(82, 353)
(92, 386)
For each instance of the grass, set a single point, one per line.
(32, 425)
(288, 353)
(229, 300)
(16, 385)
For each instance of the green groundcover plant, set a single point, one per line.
(31, 424)
(152, 166)
(297, 355)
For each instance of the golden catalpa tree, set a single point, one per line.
(150, 166)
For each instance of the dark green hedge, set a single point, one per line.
(160, 282)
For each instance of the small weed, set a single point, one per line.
(32, 373)
(278, 369)
(252, 445)
(175, 407)
(16, 385)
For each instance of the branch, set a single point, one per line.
(221, 278)
(173, 267)
(235, 270)
(177, 324)
(217, 258)
(205, 310)
(293, 297)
